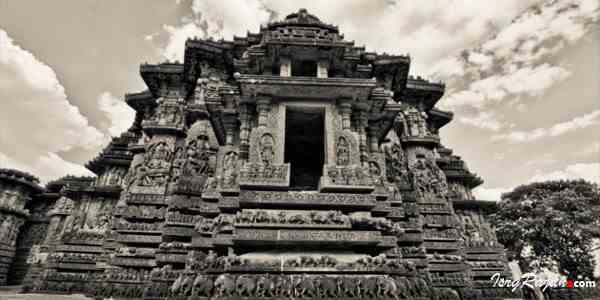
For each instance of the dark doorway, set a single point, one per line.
(307, 68)
(304, 146)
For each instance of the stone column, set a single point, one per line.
(372, 134)
(245, 114)
(362, 121)
(345, 106)
(230, 122)
(323, 69)
(263, 105)
(285, 67)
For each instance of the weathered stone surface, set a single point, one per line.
(212, 193)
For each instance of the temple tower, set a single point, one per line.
(16, 190)
(286, 164)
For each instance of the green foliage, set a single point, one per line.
(557, 220)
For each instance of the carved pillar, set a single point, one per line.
(345, 110)
(362, 122)
(230, 122)
(285, 67)
(263, 105)
(245, 114)
(323, 69)
(372, 134)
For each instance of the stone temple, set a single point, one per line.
(287, 164)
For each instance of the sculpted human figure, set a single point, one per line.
(343, 152)
(266, 146)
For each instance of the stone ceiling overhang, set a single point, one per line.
(21, 178)
(440, 118)
(305, 87)
(141, 100)
(165, 78)
(422, 93)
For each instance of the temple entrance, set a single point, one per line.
(307, 68)
(305, 146)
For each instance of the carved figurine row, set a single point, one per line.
(177, 217)
(349, 175)
(451, 234)
(141, 212)
(122, 275)
(75, 236)
(201, 261)
(71, 258)
(448, 279)
(168, 246)
(263, 173)
(299, 218)
(408, 251)
(445, 257)
(384, 225)
(258, 286)
(123, 224)
(134, 252)
(304, 287)
(486, 264)
(222, 223)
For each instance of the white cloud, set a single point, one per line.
(489, 194)
(514, 62)
(526, 81)
(593, 149)
(484, 120)
(558, 129)
(586, 171)
(117, 111)
(37, 121)
(429, 30)
(177, 35)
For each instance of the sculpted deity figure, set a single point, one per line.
(343, 152)
(197, 157)
(416, 122)
(229, 169)
(158, 156)
(267, 152)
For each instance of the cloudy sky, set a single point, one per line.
(522, 75)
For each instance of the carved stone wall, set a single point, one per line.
(194, 200)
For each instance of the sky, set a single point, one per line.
(521, 75)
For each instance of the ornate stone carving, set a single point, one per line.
(350, 175)
(342, 152)
(283, 218)
(476, 232)
(397, 166)
(229, 175)
(429, 180)
(266, 146)
(260, 174)
(207, 209)
(63, 206)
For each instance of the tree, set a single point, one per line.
(551, 223)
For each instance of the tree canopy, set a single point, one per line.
(551, 223)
